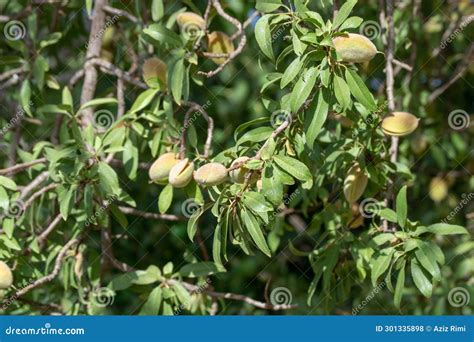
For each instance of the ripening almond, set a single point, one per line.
(356, 219)
(160, 169)
(399, 124)
(108, 38)
(219, 42)
(211, 174)
(154, 73)
(354, 48)
(238, 175)
(355, 184)
(187, 19)
(6, 276)
(438, 189)
(419, 143)
(181, 174)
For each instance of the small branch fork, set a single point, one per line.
(240, 33)
(196, 108)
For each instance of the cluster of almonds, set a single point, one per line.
(179, 172)
(155, 70)
(355, 48)
(6, 277)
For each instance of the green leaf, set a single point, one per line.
(360, 90)
(153, 303)
(157, 10)
(255, 232)
(25, 97)
(263, 36)
(350, 23)
(181, 293)
(399, 286)
(89, 7)
(108, 179)
(388, 214)
(291, 72)
(318, 118)
(165, 199)
(380, 265)
(402, 206)
(419, 278)
(163, 35)
(296, 169)
(130, 159)
(177, 80)
(446, 229)
(192, 223)
(342, 92)
(97, 102)
(7, 183)
(343, 13)
(65, 200)
(143, 100)
(267, 5)
(303, 88)
(199, 269)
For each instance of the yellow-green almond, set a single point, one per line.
(211, 174)
(154, 73)
(219, 42)
(438, 189)
(355, 184)
(187, 19)
(354, 48)
(181, 174)
(399, 124)
(160, 169)
(6, 276)
(238, 175)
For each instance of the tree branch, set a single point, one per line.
(52, 275)
(93, 51)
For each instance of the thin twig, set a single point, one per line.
(460, 71)
(53, 274)
(111, 69)
(153, 216)
(121, 13)
(20, 167)
(239, 32)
